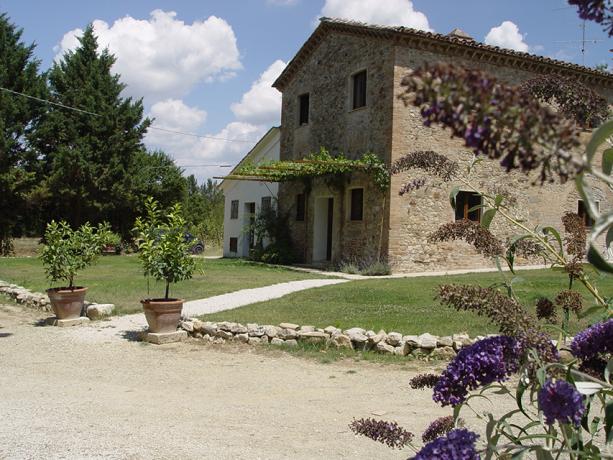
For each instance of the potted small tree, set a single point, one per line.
(164, 254)
(65, 253)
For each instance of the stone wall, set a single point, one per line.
(416, 214)
(288, 334)
(393, 225)
(40, 301)
(326, 76)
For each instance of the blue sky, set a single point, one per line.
(207, 67)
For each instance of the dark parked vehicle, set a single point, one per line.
(196, 246)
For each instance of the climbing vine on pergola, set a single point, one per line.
(320, 164)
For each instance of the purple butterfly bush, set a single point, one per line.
(459, 444)
(496, 120)
(594, 340)
(594, 346)
(600, 11)
(389, 433)
(489, 360)
(560, 402)
(438, 428)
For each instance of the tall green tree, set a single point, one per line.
(88, 156)
(155, 174)
(19, 72)
(204, 208)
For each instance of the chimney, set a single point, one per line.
(460, 34)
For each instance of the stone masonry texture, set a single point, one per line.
(395, 228)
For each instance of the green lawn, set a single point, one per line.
(403, 305)
(119, 279)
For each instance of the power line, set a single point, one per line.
(200, 135)
(166, 130)
(48, 102)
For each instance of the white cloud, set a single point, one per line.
(382, 12)
(258, 109)
(163, 57)
(175, 114)
(507, 35)
(262, 103)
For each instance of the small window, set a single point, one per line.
(357, 203)
(303, 102)
(233, 244)
(234, 209)
(359, 90)
(464, 202)
(300, 206)
(266, 204)
(582, 212)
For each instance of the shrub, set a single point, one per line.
(366, 267)
(162, 248)
(66, 251)
(273, 239)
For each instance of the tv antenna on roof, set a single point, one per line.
(583, 40)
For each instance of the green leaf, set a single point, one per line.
(608, 371)
(607, 161)
(542, 454)
(498, 200)
(453, 194)
(521, 388)
(609, 236)
(608, 422)
(599, 136)
(541, 375)
(488, 216)
(595, 258)
(552, 231)
(475, 207)
(588, 388)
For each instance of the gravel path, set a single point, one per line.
(248, 296)
(119, 327)
(66, 397)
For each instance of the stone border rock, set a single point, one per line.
(288, 334)
(40, 301)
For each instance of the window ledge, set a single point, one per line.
(359, 109)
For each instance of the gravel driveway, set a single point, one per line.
(64, 395)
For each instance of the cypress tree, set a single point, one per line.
(19, 72)
(88, 157)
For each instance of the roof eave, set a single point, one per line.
(538, 64)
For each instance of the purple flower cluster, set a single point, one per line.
(496, 120)
(561, 402)
(489, 360)
(389, 433)
(596, 10)
(438, 428)
(424, 381)
(593, 341)
(457, 445)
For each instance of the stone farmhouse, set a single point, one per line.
(245, 199)
(341, 92)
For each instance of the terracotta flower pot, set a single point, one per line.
(67, 303)
(162, 315)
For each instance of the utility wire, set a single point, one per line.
(200, 135)
(46, 101)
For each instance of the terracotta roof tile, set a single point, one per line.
(541, 64)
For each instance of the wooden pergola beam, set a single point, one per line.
(249, 178)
